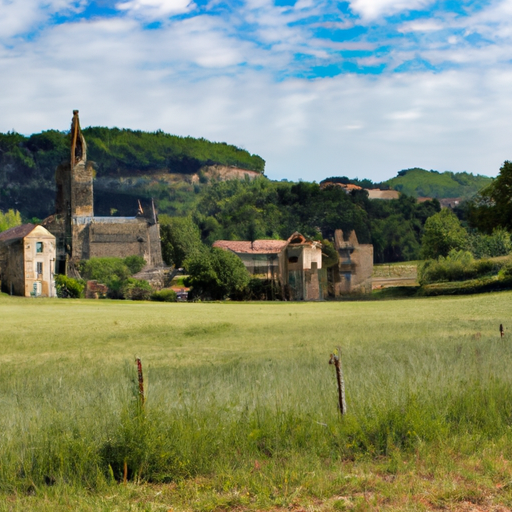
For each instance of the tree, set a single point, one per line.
(9, 219)
(443, 232)
(493, 206)
(216, 274)
(181, 239)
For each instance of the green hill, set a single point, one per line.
(421, 183)
(27, 164)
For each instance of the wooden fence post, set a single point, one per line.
(141, 381)
(336, 361)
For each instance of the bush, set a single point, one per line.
(136, 289)
(490, 246)
(69, 288)
(115, 273)
(457, 266)
(164, 296)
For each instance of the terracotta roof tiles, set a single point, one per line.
(256, 247)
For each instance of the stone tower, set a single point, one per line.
(79, 234)
(74, 179)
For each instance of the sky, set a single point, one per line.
(362, 88)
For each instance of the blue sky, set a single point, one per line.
(318, 88)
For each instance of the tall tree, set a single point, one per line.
(443, 232)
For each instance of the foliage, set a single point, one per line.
(9, 219)
(329, 254)
(164, 296)
(443, 233)
(459, 265)
(418, 182)
(136, 289)
(238, 210)
(27, 164)
(216, 274)
(493, 207)
(116, 150)
(181, 239)
(262, 289)
(134, 263)
(116, 274)
(489, 246)
(69, 288)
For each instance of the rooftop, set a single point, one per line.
(16, 233)
(256, 247)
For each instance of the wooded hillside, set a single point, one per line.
(27, 164)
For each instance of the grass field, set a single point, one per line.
(241, 405)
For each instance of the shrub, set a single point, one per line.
(69, 288)
(457, 266)
(115, 273)
(164, 296)
(490, 246)
(135, 263)
(136, 289)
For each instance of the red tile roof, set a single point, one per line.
(16, 233)
(256, 247)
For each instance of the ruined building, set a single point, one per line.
(296, 264)
(353, 273)
(79, 234)
(27, 260)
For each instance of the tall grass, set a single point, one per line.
(234, 385)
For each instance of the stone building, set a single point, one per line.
(79, 234)
(295, 263)
(27, 261)
(353, 273)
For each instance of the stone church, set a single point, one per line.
(79, 234)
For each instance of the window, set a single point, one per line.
(39, 246)
(293, 259)
(39, 268)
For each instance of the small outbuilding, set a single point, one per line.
(27, 261)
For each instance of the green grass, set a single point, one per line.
(241, 405)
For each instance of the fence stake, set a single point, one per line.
(336, 361)
(141, 381)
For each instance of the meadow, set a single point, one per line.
(241, 405)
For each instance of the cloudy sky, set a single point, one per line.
(362, 88)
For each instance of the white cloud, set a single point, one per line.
(202, 76)
(155, 9)
(371, 9)
(20, 16)
(349, 125)
(421, 26)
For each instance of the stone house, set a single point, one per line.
(296, 264)
(79, 234)
(27, 261)
(353, 273)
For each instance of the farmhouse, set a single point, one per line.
(79, 234)
(27, 259)
(295, 263)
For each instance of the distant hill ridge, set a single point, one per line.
(417, 182)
